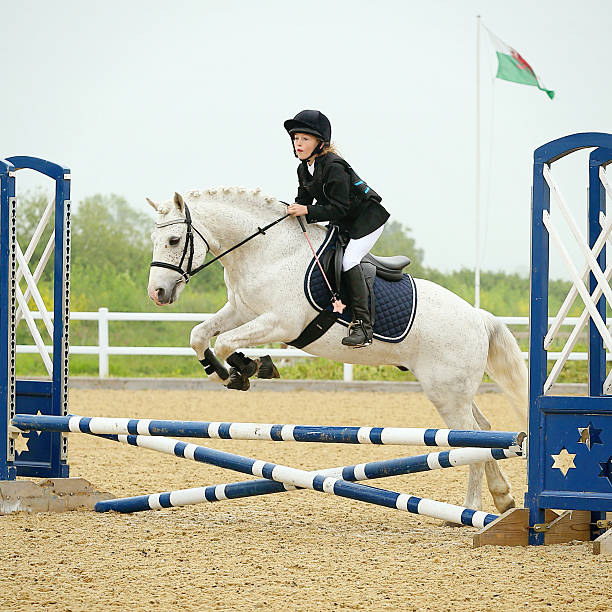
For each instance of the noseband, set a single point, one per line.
(189, 248)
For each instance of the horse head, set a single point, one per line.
(178, 249)
(190, 225)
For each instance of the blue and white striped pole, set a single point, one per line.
(301, 478)
(278, 433)
(363, 471)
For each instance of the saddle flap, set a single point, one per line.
(395, 302)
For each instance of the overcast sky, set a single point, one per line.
(144, 98)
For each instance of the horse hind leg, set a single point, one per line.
(465, 415)
(498, 484)
(456, 411)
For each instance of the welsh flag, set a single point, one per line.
(513, 67)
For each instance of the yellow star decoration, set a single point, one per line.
(21, 444)
(564, 461)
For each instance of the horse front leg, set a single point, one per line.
(201, 335)
(263, 329)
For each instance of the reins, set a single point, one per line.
(189, 245)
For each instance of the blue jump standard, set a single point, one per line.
(257, 431)
(364, 471)
(308, 480)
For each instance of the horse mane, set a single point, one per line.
(241, 196)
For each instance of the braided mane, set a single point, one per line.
(254, 198)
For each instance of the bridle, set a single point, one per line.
(188, 249)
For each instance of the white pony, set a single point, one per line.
(450, 346)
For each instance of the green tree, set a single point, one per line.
(108, 232)
(30, 210)
(396, 240)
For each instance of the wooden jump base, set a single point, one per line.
(364, 471)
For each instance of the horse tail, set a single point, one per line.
(506, 365)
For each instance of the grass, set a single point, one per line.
(298, 369)
(174, 334)
(135, 366)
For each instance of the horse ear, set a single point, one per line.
(152, 203)
(178, 200)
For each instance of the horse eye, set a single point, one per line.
(174, 240)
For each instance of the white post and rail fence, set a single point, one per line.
(103, 349)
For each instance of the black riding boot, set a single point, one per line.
(361, 326)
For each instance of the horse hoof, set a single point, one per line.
(266, 368)
(238, 381)
(505, 503)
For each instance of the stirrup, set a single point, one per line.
(360, 329)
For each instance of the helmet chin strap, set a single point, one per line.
(318, 149)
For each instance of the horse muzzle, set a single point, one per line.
(163, 296)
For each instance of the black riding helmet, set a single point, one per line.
(310, 122)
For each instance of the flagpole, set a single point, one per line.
(477, 266)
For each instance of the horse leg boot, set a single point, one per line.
(242, 368)
(361, 328)
(212, 365)
(266, 368)
(264, 329)
(223, 320)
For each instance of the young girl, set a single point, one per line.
(342, 198)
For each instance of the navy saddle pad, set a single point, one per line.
(395, 302)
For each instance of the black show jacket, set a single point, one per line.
(342, 197)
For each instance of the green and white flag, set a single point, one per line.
(513, 67)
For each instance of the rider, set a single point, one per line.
(341, 198)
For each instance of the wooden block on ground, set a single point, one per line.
(51, 495)
(510, 529)
(571, 525)
(14, 493)
(603, 544)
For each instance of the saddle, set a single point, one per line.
(391, 291)
(388, 268)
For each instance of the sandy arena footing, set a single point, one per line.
(299, 550)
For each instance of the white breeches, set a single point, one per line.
(358, 247)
